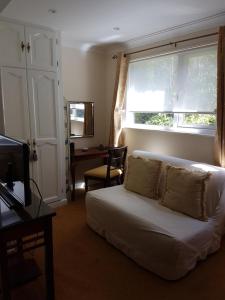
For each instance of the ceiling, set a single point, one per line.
(3, 4)
(91, 22)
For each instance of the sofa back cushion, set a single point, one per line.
(185, 191)
(215, 185)
(142, 176)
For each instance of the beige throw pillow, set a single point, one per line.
(142, 176)
(185, 191)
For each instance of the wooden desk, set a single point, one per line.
(78, 155)
(22, 230)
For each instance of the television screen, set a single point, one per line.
(14, 172)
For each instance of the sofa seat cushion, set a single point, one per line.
(100, 172)
(161, 240)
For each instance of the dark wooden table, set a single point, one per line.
(23, 230)
(78, 155)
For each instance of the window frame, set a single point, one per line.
(177, 125)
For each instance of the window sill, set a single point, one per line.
(192, 131)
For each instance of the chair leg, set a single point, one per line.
(86, 184)
(106, 183)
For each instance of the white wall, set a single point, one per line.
(84, 80)
(188, 146)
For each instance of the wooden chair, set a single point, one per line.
(72, 164)
(113, 170)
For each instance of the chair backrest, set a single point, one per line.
(72, 148)
(116, 159)
(72, 152)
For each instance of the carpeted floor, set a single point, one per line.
(88, 268)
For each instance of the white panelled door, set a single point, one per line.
(41, 49)
(43, 99)
(15, 103)
(12, 45)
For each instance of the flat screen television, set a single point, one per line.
(14, 172)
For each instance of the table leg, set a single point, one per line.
(72, 170)
(4, 272)
(49, 268)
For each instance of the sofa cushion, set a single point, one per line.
(185, 191)
(215, 186)
(142, 176)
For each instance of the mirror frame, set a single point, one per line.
(69, 121)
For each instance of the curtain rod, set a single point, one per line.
(169, 44)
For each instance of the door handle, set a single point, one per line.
(34, 156)
(28, 47)
(22, 45)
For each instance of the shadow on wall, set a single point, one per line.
(188, 146)
(84, 80)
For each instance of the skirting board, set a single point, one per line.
(58, 203)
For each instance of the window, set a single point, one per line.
(175, 90)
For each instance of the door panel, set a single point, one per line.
(47, 168)
(11, 37)
(43, 96)
(45, 106)
(41, 51)
(15, 103)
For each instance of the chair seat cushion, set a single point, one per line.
(100, 172)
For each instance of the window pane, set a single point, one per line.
(198, 120)
(159, 119)
(151, 84)
(197, 81)
(177, 89)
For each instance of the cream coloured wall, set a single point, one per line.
(188, 146)
(84, 80)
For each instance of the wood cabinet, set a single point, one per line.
(30, 101)
(12, 45)
(41, 49)
(14, 98)
(44, 119)
(30, 47)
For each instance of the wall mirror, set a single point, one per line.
(81, 119)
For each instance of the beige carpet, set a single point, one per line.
(88, 268)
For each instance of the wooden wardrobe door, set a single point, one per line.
(12, 45)
(43, 99)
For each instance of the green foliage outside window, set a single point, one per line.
(167, 119)
(159, 119)
(199, 119)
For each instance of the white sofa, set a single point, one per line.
(159, 239)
